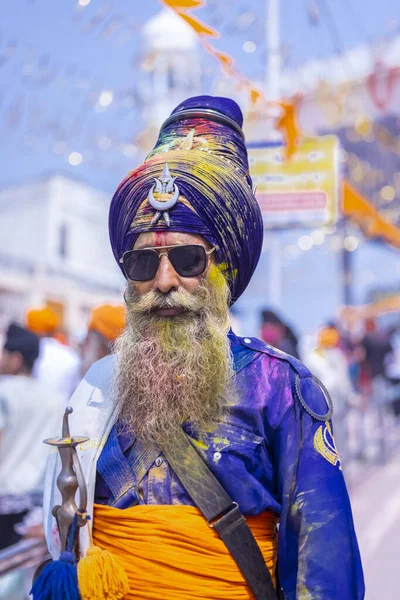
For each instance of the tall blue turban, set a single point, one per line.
(203, 144)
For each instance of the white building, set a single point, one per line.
(54, 247)
(171, 64)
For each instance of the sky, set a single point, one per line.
(56, 59)
(60, 61)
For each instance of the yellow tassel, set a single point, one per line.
(101, 576)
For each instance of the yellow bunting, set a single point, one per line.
(287, 124)
(183, 4)
(225, 60)
(199, 27)
(255, 95)
(366, 215)
(181, 8)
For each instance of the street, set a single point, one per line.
(376, 509)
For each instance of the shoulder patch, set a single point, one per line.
(314, 398)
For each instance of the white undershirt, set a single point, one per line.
(57, 366)
(30, 411)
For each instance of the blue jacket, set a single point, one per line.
(273, 450)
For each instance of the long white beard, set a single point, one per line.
(174, 369)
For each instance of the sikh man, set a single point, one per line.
(186, 230)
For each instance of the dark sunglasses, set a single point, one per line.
(188, 261)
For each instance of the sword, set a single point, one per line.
(69, 480)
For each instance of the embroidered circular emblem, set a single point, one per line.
(304, 404)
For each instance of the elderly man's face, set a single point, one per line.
(174, 358)
(167, 279)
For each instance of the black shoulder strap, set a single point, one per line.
(221, 513)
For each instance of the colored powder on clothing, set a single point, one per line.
(208, 161)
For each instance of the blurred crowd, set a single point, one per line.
(40, 369)
(359, 364)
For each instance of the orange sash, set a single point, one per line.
(170, 553)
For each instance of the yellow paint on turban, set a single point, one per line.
(42, 320)
(108, 320)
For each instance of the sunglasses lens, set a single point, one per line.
(188, 261)
(141, 265)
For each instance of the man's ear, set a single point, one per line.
(16, 362)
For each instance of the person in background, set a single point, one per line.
(29, 412)
(377, 349)
(58, 365)
(376, 353)
(327, 361)
(106, 323)
(276, 333)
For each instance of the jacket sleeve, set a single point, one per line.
(318, 554)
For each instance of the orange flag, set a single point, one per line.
(199, 27)
(255, 95)
(288, 125)
(225, 60)
(179, 5)
(363, 212)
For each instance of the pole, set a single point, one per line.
(346, 266)
(273, 53)
(273, 93)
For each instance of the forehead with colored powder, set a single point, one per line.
(154, 239)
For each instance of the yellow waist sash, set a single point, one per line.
(170, 553)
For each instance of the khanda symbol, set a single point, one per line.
(165, 185)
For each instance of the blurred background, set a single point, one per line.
(84, 87)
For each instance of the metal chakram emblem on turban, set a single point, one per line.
(165, 185)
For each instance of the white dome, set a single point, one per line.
(167, 31)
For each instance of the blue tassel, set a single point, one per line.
(59, 579)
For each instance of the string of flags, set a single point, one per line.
(287, 122)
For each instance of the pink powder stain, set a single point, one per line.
(159, 238)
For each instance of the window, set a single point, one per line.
(63, 241)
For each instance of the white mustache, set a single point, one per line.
(152, 301)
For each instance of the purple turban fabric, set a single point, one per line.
(203, 145)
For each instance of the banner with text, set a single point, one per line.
(303, 191)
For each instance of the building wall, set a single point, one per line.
(23, 222)
(54, 246)
(78, 239)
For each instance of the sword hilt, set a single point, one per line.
(69, 480)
